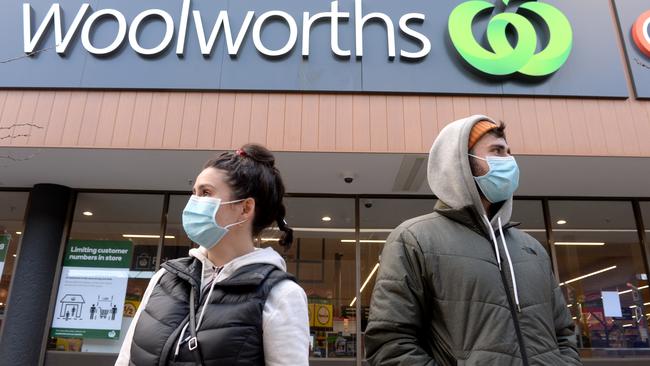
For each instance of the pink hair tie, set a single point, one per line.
(241, 152)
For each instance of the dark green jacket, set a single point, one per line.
(440, 297)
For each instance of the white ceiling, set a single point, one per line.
(310, 172)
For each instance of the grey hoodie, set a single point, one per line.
(457, 288)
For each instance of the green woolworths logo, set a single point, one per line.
(504, 59)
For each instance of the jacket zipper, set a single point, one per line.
(513, 313)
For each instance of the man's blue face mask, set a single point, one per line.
(501, 181)
(199, 221)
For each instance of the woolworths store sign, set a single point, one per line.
(448, 46)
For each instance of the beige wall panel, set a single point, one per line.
(412, 126)
(58, 118)
(562, 125)
(25, 116)
(361, 122)
(157, 115)
(107, 120)
(292, 122)
(241, 119)
(578, 124)
(123, 120)
(309, 131)
(174, 121)
(190, 124)
(327, 122)
(596, 131)
(140, 120)
(395, 117)
(344, 123)
(259, 118)
(378, 124)
(613, 136)
(8, 117)
(208, 120)
(42, 118)
(428, 122)
(628, 134)
(275, 134)
(522, 126)
(315, 122)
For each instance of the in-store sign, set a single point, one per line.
(503, 58)
(641, 33)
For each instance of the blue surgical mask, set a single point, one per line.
(501, 181)
(199, 221)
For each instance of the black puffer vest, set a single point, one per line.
(231, 330)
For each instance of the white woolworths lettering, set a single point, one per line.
(62, 41)
(257, 30)
(85, 32)
(169, 32)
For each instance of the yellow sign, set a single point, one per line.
(323, 315)
(311, 314)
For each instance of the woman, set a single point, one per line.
(228, 303)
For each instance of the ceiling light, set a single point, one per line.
(19, 232)
(14, 256)
(372, 273)
(1, 304)
(87, 213)
(627, 325)
(588, 275)
(142, 236)
(326, 218)
(579, 243)
(270, 239)
(570, 305)
(362, 241)
(561, 222)
(627, 291)
(574, 318)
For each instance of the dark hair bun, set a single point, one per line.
(251, 173)
(258, 153)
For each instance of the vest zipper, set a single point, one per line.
(513, 313)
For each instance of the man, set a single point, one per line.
(442, 296)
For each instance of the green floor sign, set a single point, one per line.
(92, 289)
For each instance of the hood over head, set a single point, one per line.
(450, 176)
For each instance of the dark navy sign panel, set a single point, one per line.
(628, 12)
(593, 69)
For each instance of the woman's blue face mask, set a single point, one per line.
(501, 181)
(199, 221)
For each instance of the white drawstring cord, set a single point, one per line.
(198, 324)
(512, 269)
(494, 241)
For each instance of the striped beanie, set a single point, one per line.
(478, 131)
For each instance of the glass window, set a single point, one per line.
(177, 244)
(12, 213)
(109, 259)
(378, 218)
(530, 215)
(602, 274)
(323, 261)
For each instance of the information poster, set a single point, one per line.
(4, 248)
(92, 289)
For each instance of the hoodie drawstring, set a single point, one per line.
(505, 248)
(198, 324)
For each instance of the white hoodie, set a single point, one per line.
(285, 319)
